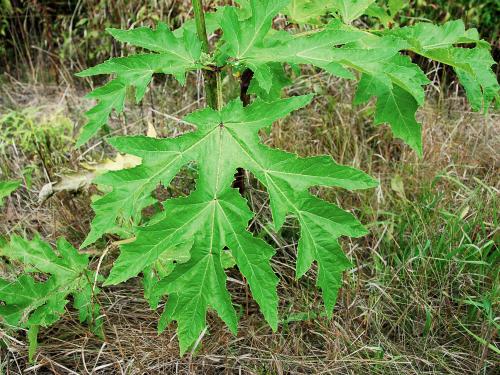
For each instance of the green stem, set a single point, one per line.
(210, 76)
(220, 96)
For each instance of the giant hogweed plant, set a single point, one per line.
(182, 253)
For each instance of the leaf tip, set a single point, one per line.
(87, 242)
(80, 141)
(112, 31)
(329, 312)
(112, 280)
(373, 182)
(274, 324)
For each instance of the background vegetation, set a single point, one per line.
(423, 297)
(52, 39)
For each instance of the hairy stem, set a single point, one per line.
(210, 78)
(220, 96)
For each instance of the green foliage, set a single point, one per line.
(29, 303)
(38, 132)
(311, 11)
(472, 65)
(482, 14)
(386, 11)
(386, 74)
(306, 11)
(215, 216)
(7, 188)
(173, 55)
(350, 10)
(183, 250)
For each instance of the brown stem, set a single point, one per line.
(246, 78)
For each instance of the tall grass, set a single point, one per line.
(50, 40)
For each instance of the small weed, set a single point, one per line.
(42, 137)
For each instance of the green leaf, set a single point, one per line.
(332, 49)
(317, 49)
(472, 65)
(396, 107)
(398, 86)
(172, 55)
(241, 37)
(215, 216)
(152, 276)
(161, 268)
(307, 11)
(21, 297)
(29, 304)
(64, 267)
(349, 10)
(396, 5)
(273, 87)
(385, 73)
(331, 260)
(479, 81)
(379, 12)
(183, 47)
(397, 82)
(427, 36)
(227, 259)
(7, 188)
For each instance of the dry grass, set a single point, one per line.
(402, 307)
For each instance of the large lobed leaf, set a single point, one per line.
(215, 216)
(171, 55)
(472, 65)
